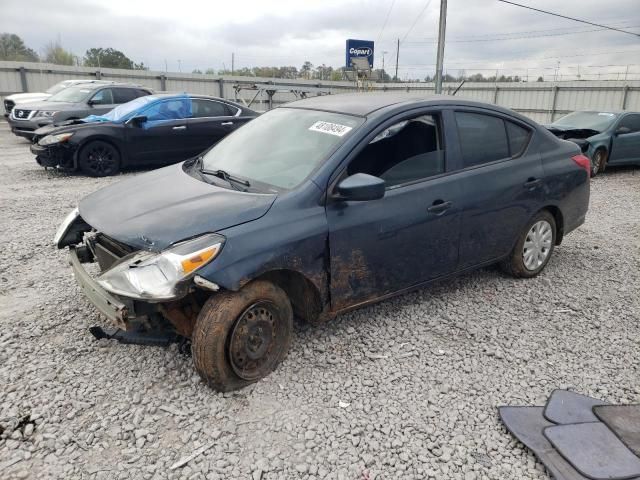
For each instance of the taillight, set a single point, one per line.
(583, 162)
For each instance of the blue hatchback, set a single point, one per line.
(319, 207)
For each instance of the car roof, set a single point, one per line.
(93, 84)
(364, 104)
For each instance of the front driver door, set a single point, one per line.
(102, 102)
(163, 138)
(409, 236)
(626, 146)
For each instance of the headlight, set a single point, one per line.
(53, 139)
(64, 226)
(45, 113)
(161, 276)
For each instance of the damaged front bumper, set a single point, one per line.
(56, 156)
(110, 306)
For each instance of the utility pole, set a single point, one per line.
(383, 54)
(233, 59)
(441, 34)
(397, 56)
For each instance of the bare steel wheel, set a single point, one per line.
(241, 337)
(537, 245)
(533, 248)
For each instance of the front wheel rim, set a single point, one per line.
(256, 341)
(537, 245)
(101, 159)
(595, 164)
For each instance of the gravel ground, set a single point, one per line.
(404, 389)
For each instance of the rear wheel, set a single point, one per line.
(598, 162)
(534, 248)
(99, 159)
(241, 337)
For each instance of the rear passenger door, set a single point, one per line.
(626, 146)
(502, 180)
(211, 121)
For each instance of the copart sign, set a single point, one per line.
(359, 49)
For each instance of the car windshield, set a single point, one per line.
(71, 95)
(57, 88)
(598, 121)
(281, 147)
(126, 110)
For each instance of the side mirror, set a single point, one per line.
(360, 187)
(136, 121)
(622, 130)
(91, 103)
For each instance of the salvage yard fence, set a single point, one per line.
(541, 101)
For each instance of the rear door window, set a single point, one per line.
(168, 110)
(124, 95)
(483, 138)
(518, 138)
(209, 108)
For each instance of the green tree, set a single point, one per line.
(12, 48)
(306, 68)
(55, 53)
(109, 58)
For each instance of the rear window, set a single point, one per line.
(518, 138)
(124, 95)
(483, 138)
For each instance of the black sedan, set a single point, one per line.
(319, 207)
(151, 130)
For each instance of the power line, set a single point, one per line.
(385, 21)
(416, 20)
(570, 18)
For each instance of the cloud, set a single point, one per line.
(202, 34)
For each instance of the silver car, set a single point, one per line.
(72, 103)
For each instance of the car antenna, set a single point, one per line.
(459, 87)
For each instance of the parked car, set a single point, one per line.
(607, 138)
(71, 103)
(24, 99)
(150, 130)
(319, 207)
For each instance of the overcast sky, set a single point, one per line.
(481, 34)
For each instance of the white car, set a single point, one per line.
(25, 98)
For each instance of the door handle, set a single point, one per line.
(532, 182)
(181, 127)
(439, 206)
(226, 123)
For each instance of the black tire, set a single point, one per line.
(99, 159)
(241, 337)
(598, 162)
(515, 264)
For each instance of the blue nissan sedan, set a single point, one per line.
(316, 208)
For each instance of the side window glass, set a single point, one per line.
(518, 138)
(483, 138)
(168, 110)
(407, 151)
(103, 97)
(632, 122)
(123, 95)
(209, 108)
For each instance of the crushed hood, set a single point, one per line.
(570, 133)
(65, 127)
(156, 209)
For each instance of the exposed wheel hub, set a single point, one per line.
(253, 344)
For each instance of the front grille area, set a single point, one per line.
(107, 251)
(8, 106)
(21, 113)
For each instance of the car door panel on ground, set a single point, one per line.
(163, 138)
(503, 183)
(400, 242)
(625, 147)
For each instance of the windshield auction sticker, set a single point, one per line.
(330, 128)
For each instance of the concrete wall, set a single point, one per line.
(541, 101)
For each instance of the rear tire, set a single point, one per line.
(534, 247)
(99, 159)
(241, 337)
(598, 162)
